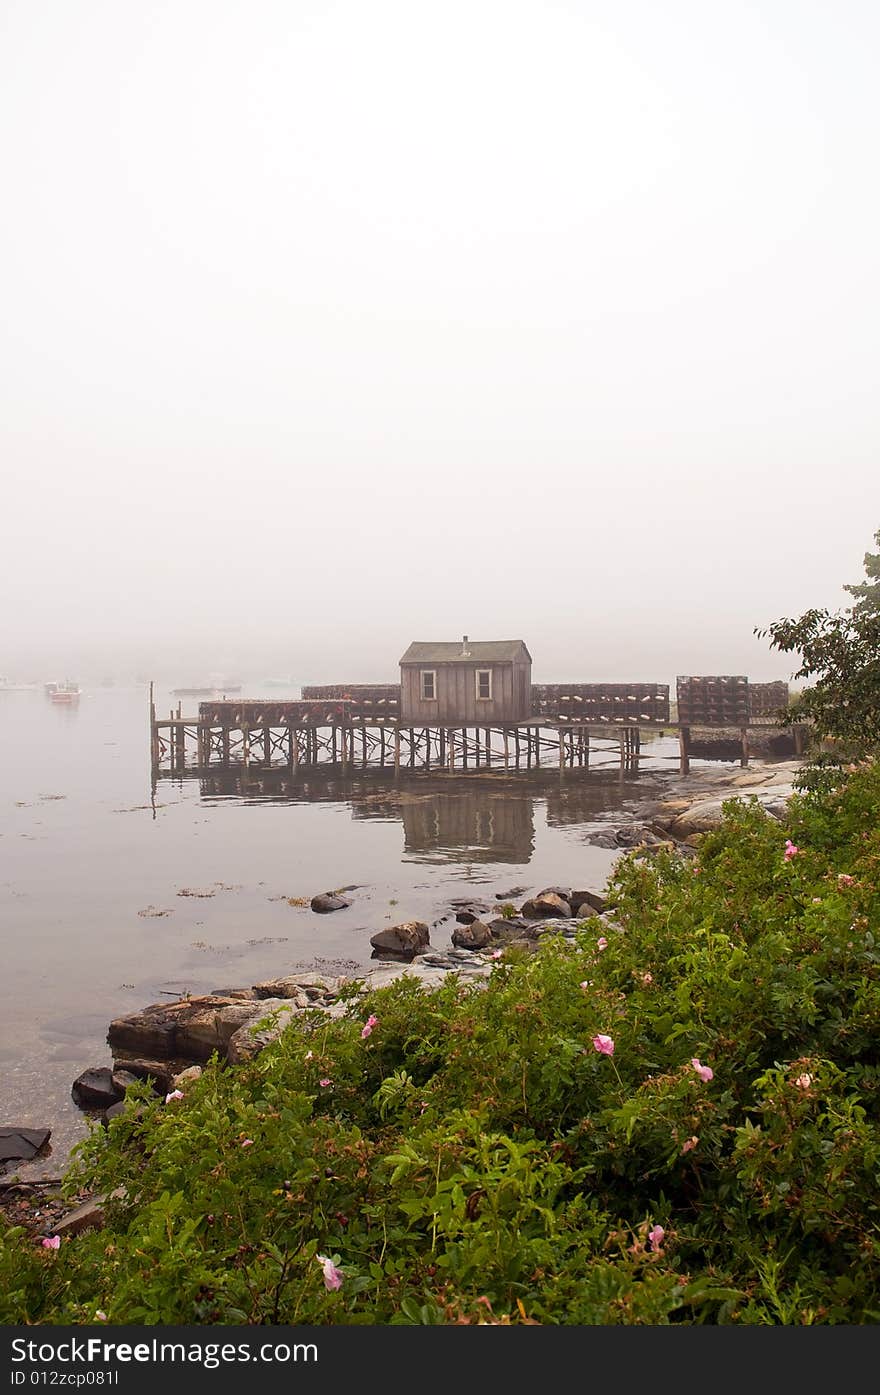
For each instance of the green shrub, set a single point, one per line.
(475, 1158)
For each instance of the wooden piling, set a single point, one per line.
(684, 748)
(744, 758)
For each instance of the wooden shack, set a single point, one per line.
(470, 683)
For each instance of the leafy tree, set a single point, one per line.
(840, 652)
(867, 593)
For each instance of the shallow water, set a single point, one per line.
(95, 868)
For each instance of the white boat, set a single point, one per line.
(7, 686)
(66, 692)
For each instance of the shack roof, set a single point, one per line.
(478, 651)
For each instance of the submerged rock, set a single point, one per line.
(548, 903)
(476, 935)
(328, 901)
(19, 1144)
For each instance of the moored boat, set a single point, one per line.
(66, 692)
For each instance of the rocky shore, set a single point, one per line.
(168, 1043)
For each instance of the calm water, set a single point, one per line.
(92, 871)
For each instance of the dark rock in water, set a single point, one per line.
(509, 895)
(604, 838)
(189, 1030)
(158, 1073)
(585, 903)
(548, 903)
(508, 927)
(328, 901)
(96, 1089)
(466, 917)
(21, 1144)
(113, 1111)
(123, 1078)
(473, 936)
(401, 941)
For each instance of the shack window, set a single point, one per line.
(429, 684)
(484, 684)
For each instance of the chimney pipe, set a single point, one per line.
(464, 647)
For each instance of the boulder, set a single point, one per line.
(473, 936)
(95, 1088)
(328, 901)
(183, 1077)
(701, 817)
(158, 1073)
(507, 928)
(401, 941)
(548, 903)
(185, 1031)
(251, 1038)
(563, 891)
(20, 1144)
(88, 1216)
(465, 918)
(308, 989)
(584, 903)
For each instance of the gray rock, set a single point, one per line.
(401, 941)
(328, 901)
(584, 903)
(21, 1144)
(251, 1038)
(549, 903)
(88, 1216)
(465, 918)
(562, 891)
(158, 1073)
(96, 1089)
(474, 936)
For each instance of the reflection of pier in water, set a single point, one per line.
(443, 821)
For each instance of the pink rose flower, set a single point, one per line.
(603, 1044)
(602, 943)
(174, 1095)
(790, 850)
(804, 1081)
(704, 1072)
(844, 879)
(655, 1237)
(689, 1143)
(332, 1275)
(325, 1082)
(51, 1242)
(368, 1026)
(247, 1143)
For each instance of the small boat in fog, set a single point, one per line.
(66, 692)
(7, 686)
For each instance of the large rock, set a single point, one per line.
(96, 1089)
(584, 903)
(476, 935)
(19, 1144)
(252, 1037)
(188, 1030)
(548, 903)
(401, 941)
(328, 901)
(157, 1073)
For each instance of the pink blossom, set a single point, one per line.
(655, 1237)
(704, 1072)
(602, 943)
(247, 1143)
(585, 983)
(790, 850)
(309, 1055)
(51, 1242)
(804, 1081)
(496, 953)
(690, 1143)
(603, 1044)
(647, 979)
(368, 1026)
(174, 1095)
(844, 879)
(332, 1275)
(100, 1315)
(325, 1082)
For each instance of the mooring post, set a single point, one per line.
(450, 749)
(744, 758)
(294, 750)
(561, 735)
(684, 747)
(506, 749)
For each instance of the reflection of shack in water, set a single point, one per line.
(484, 825)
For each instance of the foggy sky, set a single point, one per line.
(329, 326)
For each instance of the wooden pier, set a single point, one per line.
(358, 727)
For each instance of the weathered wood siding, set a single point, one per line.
(456, 704)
